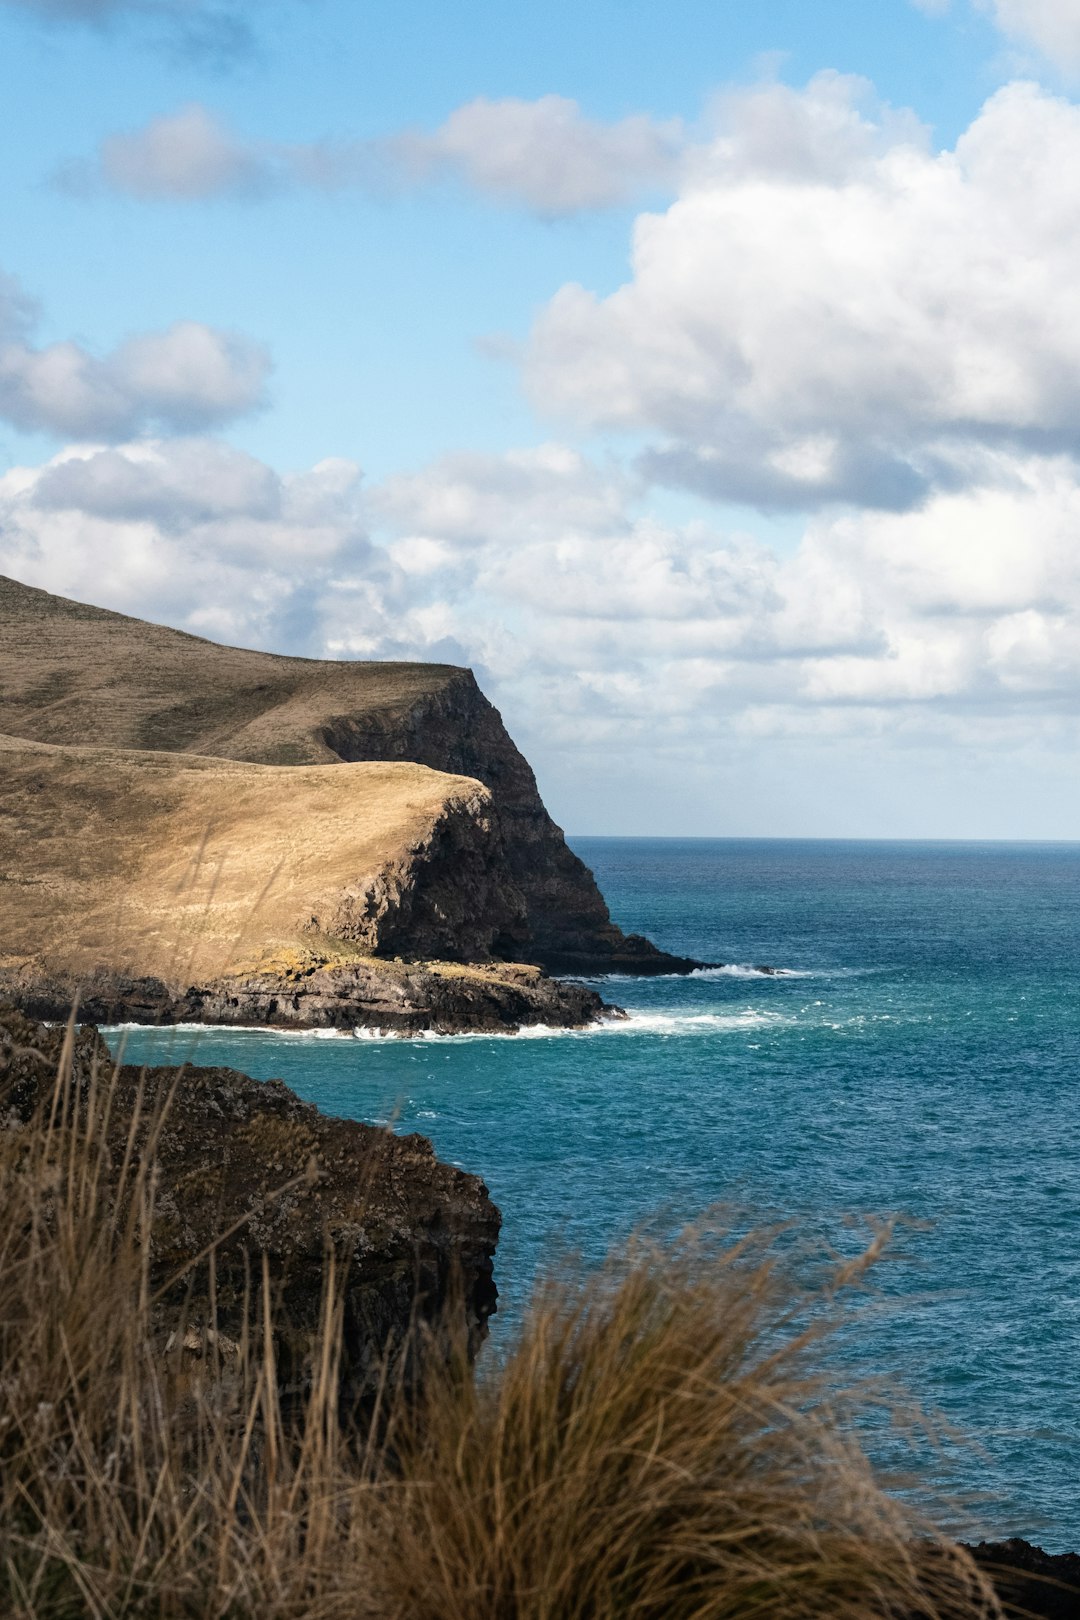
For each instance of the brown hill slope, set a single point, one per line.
(73, 674)
(178, 886)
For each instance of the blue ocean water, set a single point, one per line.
(920, 1056)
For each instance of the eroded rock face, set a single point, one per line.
(567, 925)
(412, 1235)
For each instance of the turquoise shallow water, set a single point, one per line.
(920, 1056)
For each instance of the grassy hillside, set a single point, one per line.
(70, 673)
(180, 866)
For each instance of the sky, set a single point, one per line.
(705, 376)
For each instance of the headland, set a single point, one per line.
(197, 832)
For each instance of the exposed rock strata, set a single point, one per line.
(310, 992)
(414, 1237)
(72, 674)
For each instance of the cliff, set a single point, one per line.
(174, 886)
(414, 1238)
(73, 675)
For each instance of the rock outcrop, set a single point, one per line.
(73, 675)
(308, 990)
(414, 1238)
(1032, 1584)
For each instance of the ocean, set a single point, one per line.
(917, 1056)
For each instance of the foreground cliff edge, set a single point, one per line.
(191, 831)
(245, 1167)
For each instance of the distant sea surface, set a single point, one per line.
(920, 1055)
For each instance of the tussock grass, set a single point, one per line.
(658, 1444)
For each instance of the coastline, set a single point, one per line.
(312, 992)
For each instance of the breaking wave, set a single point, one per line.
(665, 1024)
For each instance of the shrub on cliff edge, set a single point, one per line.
(655, 1446)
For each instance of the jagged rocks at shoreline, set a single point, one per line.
(414, 1238)
(311, 992)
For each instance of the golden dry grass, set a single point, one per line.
(166, 863)
(660, 1441)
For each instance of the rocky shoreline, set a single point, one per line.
(311, 990)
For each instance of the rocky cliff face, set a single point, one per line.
(567, 927)
(77, 675)
(414, 1238)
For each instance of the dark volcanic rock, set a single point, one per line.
(454, 728)
(1031, 1582)
(414, 1237)
(395, 998)
(401, 999)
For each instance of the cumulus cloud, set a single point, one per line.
(192, 532)
(538, 561)
(519, 495)
(187, 154)
(543, 155)
(184, 379)
(833, 311)
(1052, 26)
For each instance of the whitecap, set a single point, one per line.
(744, 970)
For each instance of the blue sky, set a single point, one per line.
(705, 375)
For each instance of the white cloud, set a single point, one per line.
(970, 604)
(191, 532)
(520, 495)
(186, 378)
(832, 311)
(1053, 26)
(614, 643)
(543, 155)
(187, 154)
